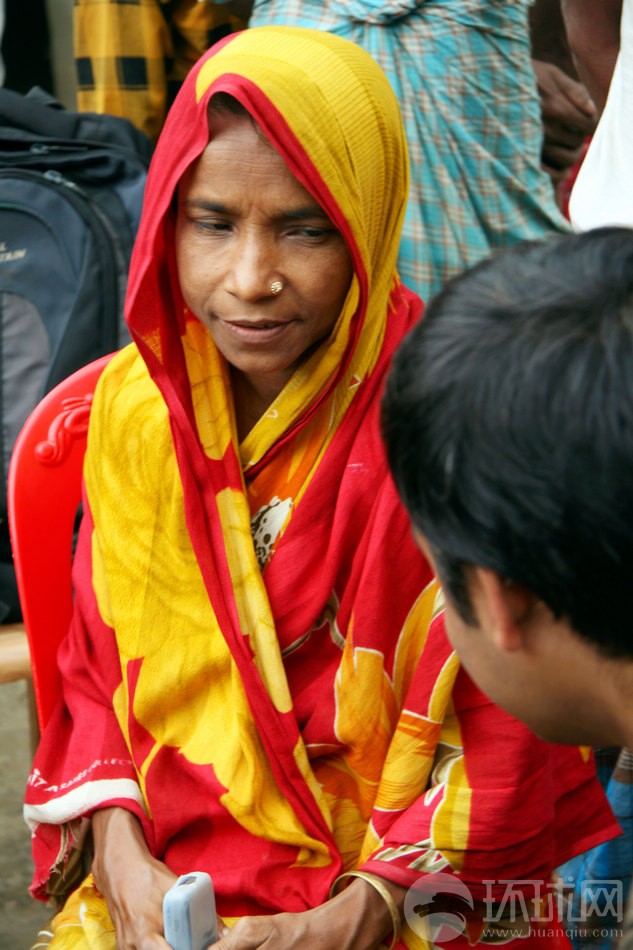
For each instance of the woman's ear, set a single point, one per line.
(503, 608)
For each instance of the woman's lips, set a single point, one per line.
(255, 332)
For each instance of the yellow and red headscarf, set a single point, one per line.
(330, 112)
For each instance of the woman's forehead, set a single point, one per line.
(239, 157)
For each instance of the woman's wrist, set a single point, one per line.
(374, 903)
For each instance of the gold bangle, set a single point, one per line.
(378, 885)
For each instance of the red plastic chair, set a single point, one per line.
(44, 490)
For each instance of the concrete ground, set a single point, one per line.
(20, 916)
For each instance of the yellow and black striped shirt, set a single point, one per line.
(132, 55)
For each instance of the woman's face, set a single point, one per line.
(244, 222)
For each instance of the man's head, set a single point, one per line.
(508, 419)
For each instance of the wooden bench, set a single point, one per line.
(15, 662)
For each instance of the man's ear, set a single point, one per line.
(503, 608)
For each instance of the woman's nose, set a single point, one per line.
(252, 267)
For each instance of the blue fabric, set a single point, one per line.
(609, 862)
(463, 75)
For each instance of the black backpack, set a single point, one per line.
(71, 189)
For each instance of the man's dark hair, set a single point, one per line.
(508, 420)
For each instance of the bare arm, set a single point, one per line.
(131, 880)
(356, 919)
(548, 38)
(593, 32)
(568, 113)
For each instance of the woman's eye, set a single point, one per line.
(213, 227)
(313, 234)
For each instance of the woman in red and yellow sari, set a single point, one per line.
(256, 682)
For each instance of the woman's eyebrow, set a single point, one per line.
(206, 205)
(294, 214)
(308, 211)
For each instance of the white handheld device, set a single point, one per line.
(189, 913)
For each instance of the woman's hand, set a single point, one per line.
(131, 880)
(356, 919)
(134, 884)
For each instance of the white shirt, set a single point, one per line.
(603, 191)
